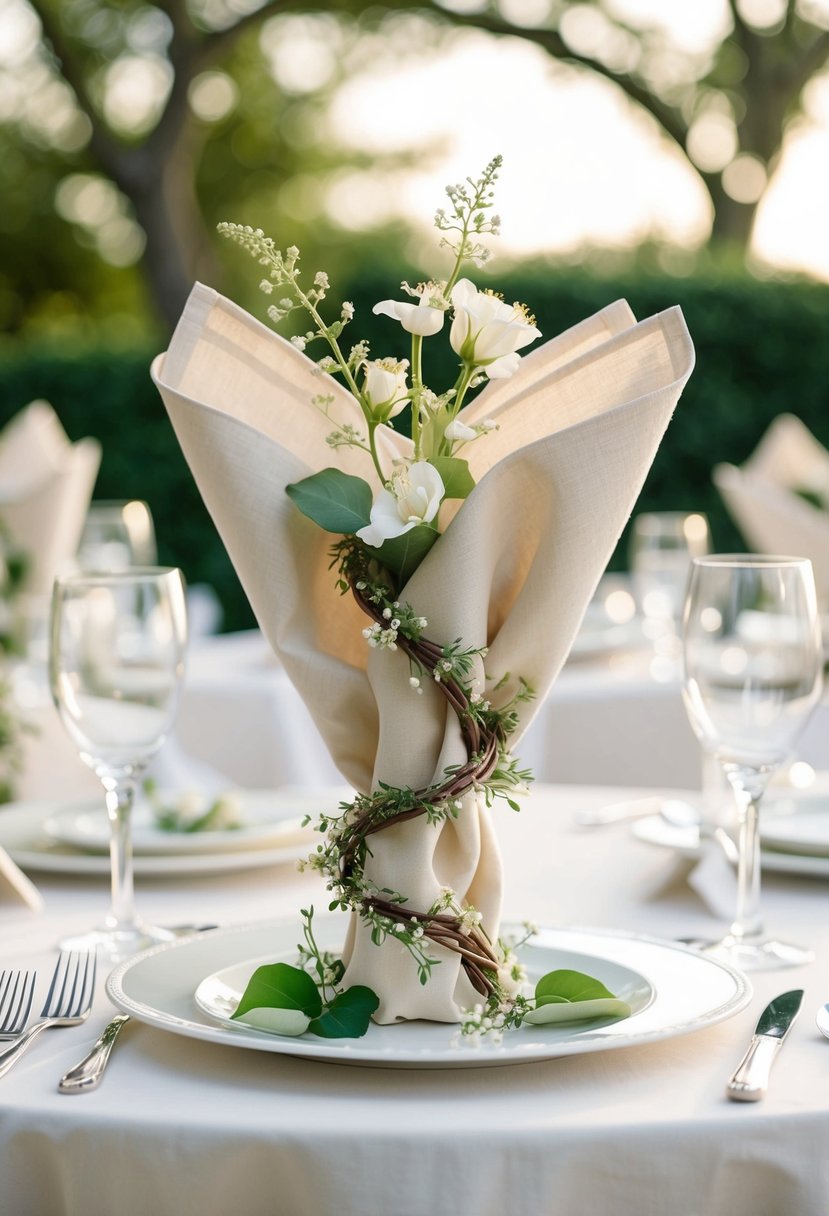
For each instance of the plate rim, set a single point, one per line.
(344, 1052)
(799, 807)
(774, 861)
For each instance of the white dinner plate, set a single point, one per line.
(798, 824)
(266, 815)
(598, 641)
(685, 841)
(673, 991)
(23, 838)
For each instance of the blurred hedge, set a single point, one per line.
(761, 350)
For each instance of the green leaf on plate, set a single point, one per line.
(348, 1015)
(335, 500)
(569, 986)
(572, 996)
(403, 554)
(577, 1011)
(292, 1022)
(280, 986)
(457, 480)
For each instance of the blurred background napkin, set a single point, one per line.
(765, 496)
(46, 485)
(15, 886)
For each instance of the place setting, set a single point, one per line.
(409, 971)
(420, 697)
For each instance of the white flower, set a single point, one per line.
(189, 807)
(227, 813)
(422, 318)
(385, 386)
(415, 495)
(486, 332)
(459, 432)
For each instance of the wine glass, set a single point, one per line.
(662, 545)
(753, 674)
(116, 535)
(116, 660)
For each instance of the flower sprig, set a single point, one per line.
(486, 334)
(384, 534)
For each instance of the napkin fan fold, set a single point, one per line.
(762, 496)
(46, 484)
(578, 427)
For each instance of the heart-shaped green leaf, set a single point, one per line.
(335, 500)
(572, 996)
(458, 482)
(569, 986)
(280, 986)
(403, 554)
(348, 1015)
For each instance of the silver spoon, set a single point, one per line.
(822, 1020)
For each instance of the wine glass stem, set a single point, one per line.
(120, 795)
(747, 923)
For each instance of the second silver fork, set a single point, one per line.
(17, 988)
(68, 1002)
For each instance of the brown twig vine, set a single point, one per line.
(483, 746)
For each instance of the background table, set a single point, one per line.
(607, 721)
(183, 1126)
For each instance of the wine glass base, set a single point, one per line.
(758, 954)
(115, 945)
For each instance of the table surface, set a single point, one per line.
(181, 1126)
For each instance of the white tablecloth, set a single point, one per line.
(180, 1126)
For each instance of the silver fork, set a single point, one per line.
(68, 1002)
(17, 988)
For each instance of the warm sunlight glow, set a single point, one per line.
(581, 164)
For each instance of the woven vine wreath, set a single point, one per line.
(488, 768)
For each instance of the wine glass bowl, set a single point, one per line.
(753, 667)
(662, 546)
(116, 535)
(117, 644)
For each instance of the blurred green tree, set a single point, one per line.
(139, 126)
(135, 126)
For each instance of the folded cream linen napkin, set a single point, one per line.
(761, 495)
(579, 425)
(46, 485)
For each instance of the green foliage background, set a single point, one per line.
(761, 350)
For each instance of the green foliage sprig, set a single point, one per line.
(291, 1000)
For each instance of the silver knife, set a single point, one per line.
(88, 1073)
(750, 1079)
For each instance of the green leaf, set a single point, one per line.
(335, 500)
(403, 554)
(348, 1015)
(572, 996)
(457, 480)
(569, 986)
(280, 986)
(292, 1022)
(576, 1011)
